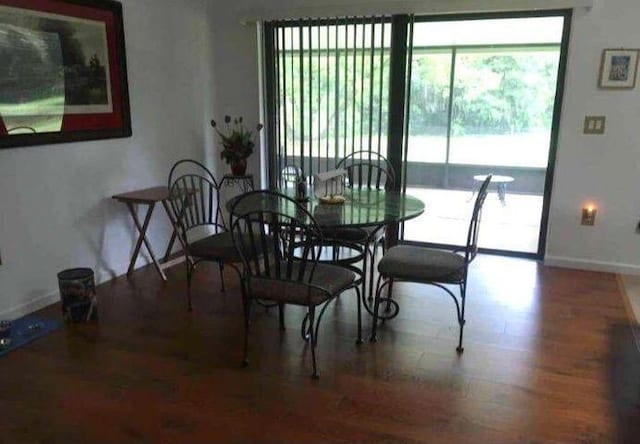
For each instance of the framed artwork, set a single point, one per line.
(618, 69)
(63, 75)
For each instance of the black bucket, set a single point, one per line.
(78, 294)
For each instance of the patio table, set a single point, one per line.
(500, 181)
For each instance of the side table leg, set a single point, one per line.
(142, 230)
(174, 234)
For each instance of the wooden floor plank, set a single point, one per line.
(549, 358)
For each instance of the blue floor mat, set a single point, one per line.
(29, 328)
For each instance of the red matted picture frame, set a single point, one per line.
(63, 75)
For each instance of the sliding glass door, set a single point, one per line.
(458, 98)
(482, 101)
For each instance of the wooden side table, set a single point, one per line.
(149, 197)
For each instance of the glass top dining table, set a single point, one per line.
(366, 208)
(362, 208)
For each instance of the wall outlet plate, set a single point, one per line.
(594, 124)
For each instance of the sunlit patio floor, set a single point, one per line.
(513, 227)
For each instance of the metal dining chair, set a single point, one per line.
(194, 198)
(366, 170)
(290, 175)
(429, 266)
(280, 244)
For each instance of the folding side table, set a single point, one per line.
(149, 197)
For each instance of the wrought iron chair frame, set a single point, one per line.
(192, 198)
(295, 235)
(470, 252)
(371, 162)
(289, 175)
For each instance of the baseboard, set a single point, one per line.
(591, 265)
(31, 306)
(627, 295)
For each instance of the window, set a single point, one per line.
(331, 87)
(446, 99)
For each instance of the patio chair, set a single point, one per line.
(433, 267)
(280, 243)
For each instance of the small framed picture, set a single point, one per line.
(619, 68)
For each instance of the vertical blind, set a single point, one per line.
(330, 93)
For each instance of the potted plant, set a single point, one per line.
(237, 142)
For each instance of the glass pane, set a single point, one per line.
(503, 31)
(500, 76)
(503, 107)
(430, 78)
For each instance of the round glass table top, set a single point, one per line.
(362, 208)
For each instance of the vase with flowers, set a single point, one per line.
(237, 142)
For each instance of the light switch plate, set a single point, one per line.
(594, 124)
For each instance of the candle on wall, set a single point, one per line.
(589, 214)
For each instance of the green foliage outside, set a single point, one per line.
(506, 91)
(338, 90)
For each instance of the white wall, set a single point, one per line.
(603, 169)
(55, 206)
(235, 76)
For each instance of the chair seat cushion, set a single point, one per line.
(327, 281)
(215, 247)
(422, 264)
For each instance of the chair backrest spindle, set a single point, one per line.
(194, 197)
(272, 242)
(474, 226)
(368, 170)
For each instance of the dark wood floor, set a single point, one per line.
(549, 359)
